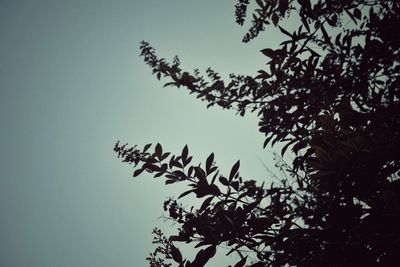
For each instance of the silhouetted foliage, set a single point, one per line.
(331, 95)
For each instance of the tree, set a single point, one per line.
(333, 100)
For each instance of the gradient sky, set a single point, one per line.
(71, 85)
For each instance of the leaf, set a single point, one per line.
(305, 23)
(186, 193)
(158, 150)
(298, 146)
(223, 180)
(357, 13)
(332, 20)
(176, 254)
(215, 176)
(306, 4)
(267, 140)
(206, 203)
(285, 31)
(241, 263)
(235, 185)
(170, 181)
(158, 174)
(209, 162)
(163, 157)
(200, 174)
(275, 19)
(202, 243)
(179, 238)
(285, 147)
(234, 170)
(153, 168)
(210, 251)
(268, 52)
(146, 147)
(186, 161)
(203, 256)
(214, 190)
(175, 163)
(326, 36)
(283, 6)
(138, 172)
(180, 175)
(169, 84)
(185, 152)
(351, 16)
(337, 40)
(249, 207)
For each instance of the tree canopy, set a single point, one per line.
(330, 94)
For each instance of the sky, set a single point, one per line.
(71, 85)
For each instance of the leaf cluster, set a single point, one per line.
(330, 94)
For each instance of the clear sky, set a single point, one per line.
(71, 85)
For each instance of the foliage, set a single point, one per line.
(333, 99)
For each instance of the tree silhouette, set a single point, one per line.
(331, 95)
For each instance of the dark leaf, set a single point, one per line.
(357, 13)
(175, 163)
(326, 36)
(260, 3)
(153, 168)
(186, 193)
(176, 254)
(267, 140)
(187, 160)
(351, 16)
(223, 180)
(268, 52)
(206, 203)
(214, 190)
(171, 181)
(299, 145)
(285, 147)
(164, 156)
(306, 4)
(203, 256)
(178, 238)
(200, 174)
(180, 175)
(158, 174)
(146, 147)
(235, 185)
(202, 243)
(185, 152)
(275, 19)
(305, 23)
(138, 172)
(234, 170)
(214, 177)
(209, 162)
(241, 263)
(283, 6)
(169, 84)
(158, 150)
(285, 31)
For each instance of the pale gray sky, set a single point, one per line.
(71, 85)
